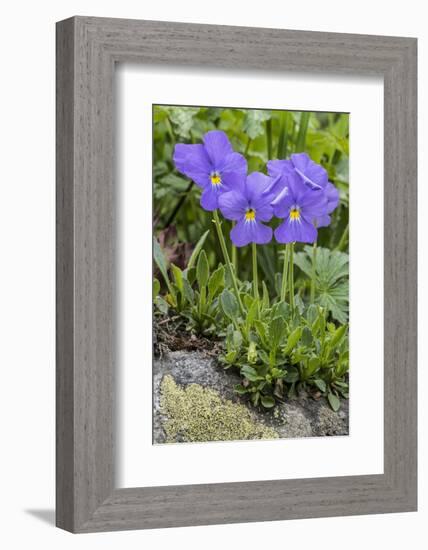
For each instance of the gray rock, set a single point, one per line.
(295, 418)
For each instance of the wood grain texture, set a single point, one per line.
(87, 50)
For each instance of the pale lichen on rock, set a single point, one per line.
(194, 400)
(194, 413)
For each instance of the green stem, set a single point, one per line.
(255, 274)
(314, 271)
(291, 275)
(269, 138)
(247, 148)
(234, 255)
(303, 128)
(283, 136)
(170, 130)
(229, 267)
(284, 275)
(343, 239)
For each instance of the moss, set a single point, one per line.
(195, 413)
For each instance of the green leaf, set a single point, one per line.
(159, 258)
(334, 401)
(261, 329)
(240, 390)
(252, 353)
(190, 274)
(161, 305)
(332, 288)
(281, 309)
(216, 281)
(231, 356)
(293, 340)
(307, 338)
(237, 339)
(320, 384)
(197, 249)
(265, 299)
(252, 313)
(267, 401)
(313, 365)
(267, 263)
(202, 270)
(255, 398)
(229, 304)
(182, 119)
(250, 373)
(338, 335)
(292, 376)
(173, 183)
(178, 276)
(312, 313)
(264, 357)
(254, 122)
(156, 288)
(277, 329)
(188, 291)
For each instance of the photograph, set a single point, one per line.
(211, 258)
(250, 274)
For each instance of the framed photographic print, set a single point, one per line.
(236, 274)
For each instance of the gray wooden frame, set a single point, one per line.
(87, 50)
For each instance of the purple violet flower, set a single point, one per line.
(299, 206)
(312, 174)
(313, 177)
(249, 205)
(213, 166)
(332, 195)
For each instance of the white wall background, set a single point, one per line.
(27, 272)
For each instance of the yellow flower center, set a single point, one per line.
(215, 178)
(294, 214)
(250, 215)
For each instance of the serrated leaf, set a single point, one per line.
(332, 288)
(277, 329)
